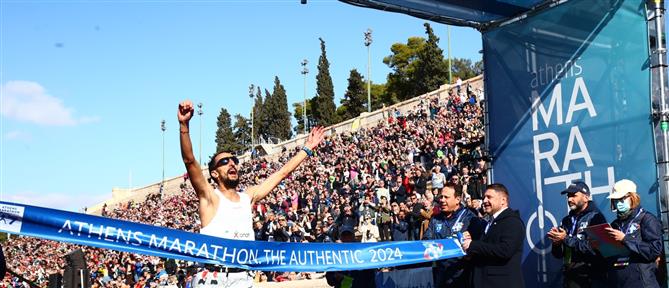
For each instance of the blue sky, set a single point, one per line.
(85, 84)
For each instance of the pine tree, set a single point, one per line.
(324, 106)
(225, 140)
(355, 98)
(431, 71)
(401, 83)
(242, 132)
(464, 68)
(280, 116)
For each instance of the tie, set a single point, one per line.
(488, 226)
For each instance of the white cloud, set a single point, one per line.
(58, 201)
(18, 135)
(29, 102)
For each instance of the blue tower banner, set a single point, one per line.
(569, 99)
(253, 255)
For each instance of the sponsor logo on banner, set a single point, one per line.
(11, 218)
(432, 250)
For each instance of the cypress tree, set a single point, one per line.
(280, 116)
(242, 132)
(355, 98)
(265, 117)
(324, 106)
(225, 140)
(431, 71)
(257, 114)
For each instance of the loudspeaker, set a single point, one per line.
(55, 280)
(76, 259)
(74, 269)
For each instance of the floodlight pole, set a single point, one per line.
(663, 164)
(251, 95)
(368, 42)
(661, 51)
(450, 79)
(304, 73)
(200, 112)
(162, 128)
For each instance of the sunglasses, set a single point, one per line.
(224, 161)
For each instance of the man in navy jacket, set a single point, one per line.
(582, 266)
(496, 257)
(453, 218)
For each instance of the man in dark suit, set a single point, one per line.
(496, 256)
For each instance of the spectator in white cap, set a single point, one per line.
(640, 232)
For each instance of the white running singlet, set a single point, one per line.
(232, 219)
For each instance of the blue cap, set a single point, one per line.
(577, 186)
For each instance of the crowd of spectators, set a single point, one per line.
(35, 259)
(379, 181)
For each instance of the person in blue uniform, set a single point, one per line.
(640, 232)
(453, 218)
(582, 266)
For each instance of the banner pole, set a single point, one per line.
(663, 195)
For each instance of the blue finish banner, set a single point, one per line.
(269, 256)
(569, 99)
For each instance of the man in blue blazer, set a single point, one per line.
(496, 256)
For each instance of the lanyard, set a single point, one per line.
(457, 220)
(574, 220)
(623, 228)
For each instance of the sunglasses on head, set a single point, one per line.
(225, 160)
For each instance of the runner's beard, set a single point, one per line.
(230, 183)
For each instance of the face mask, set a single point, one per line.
(623, 206)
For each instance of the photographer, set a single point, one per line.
(367, 209)
(281, 233)
(383, 219)
(296, 234)
(348, 218)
